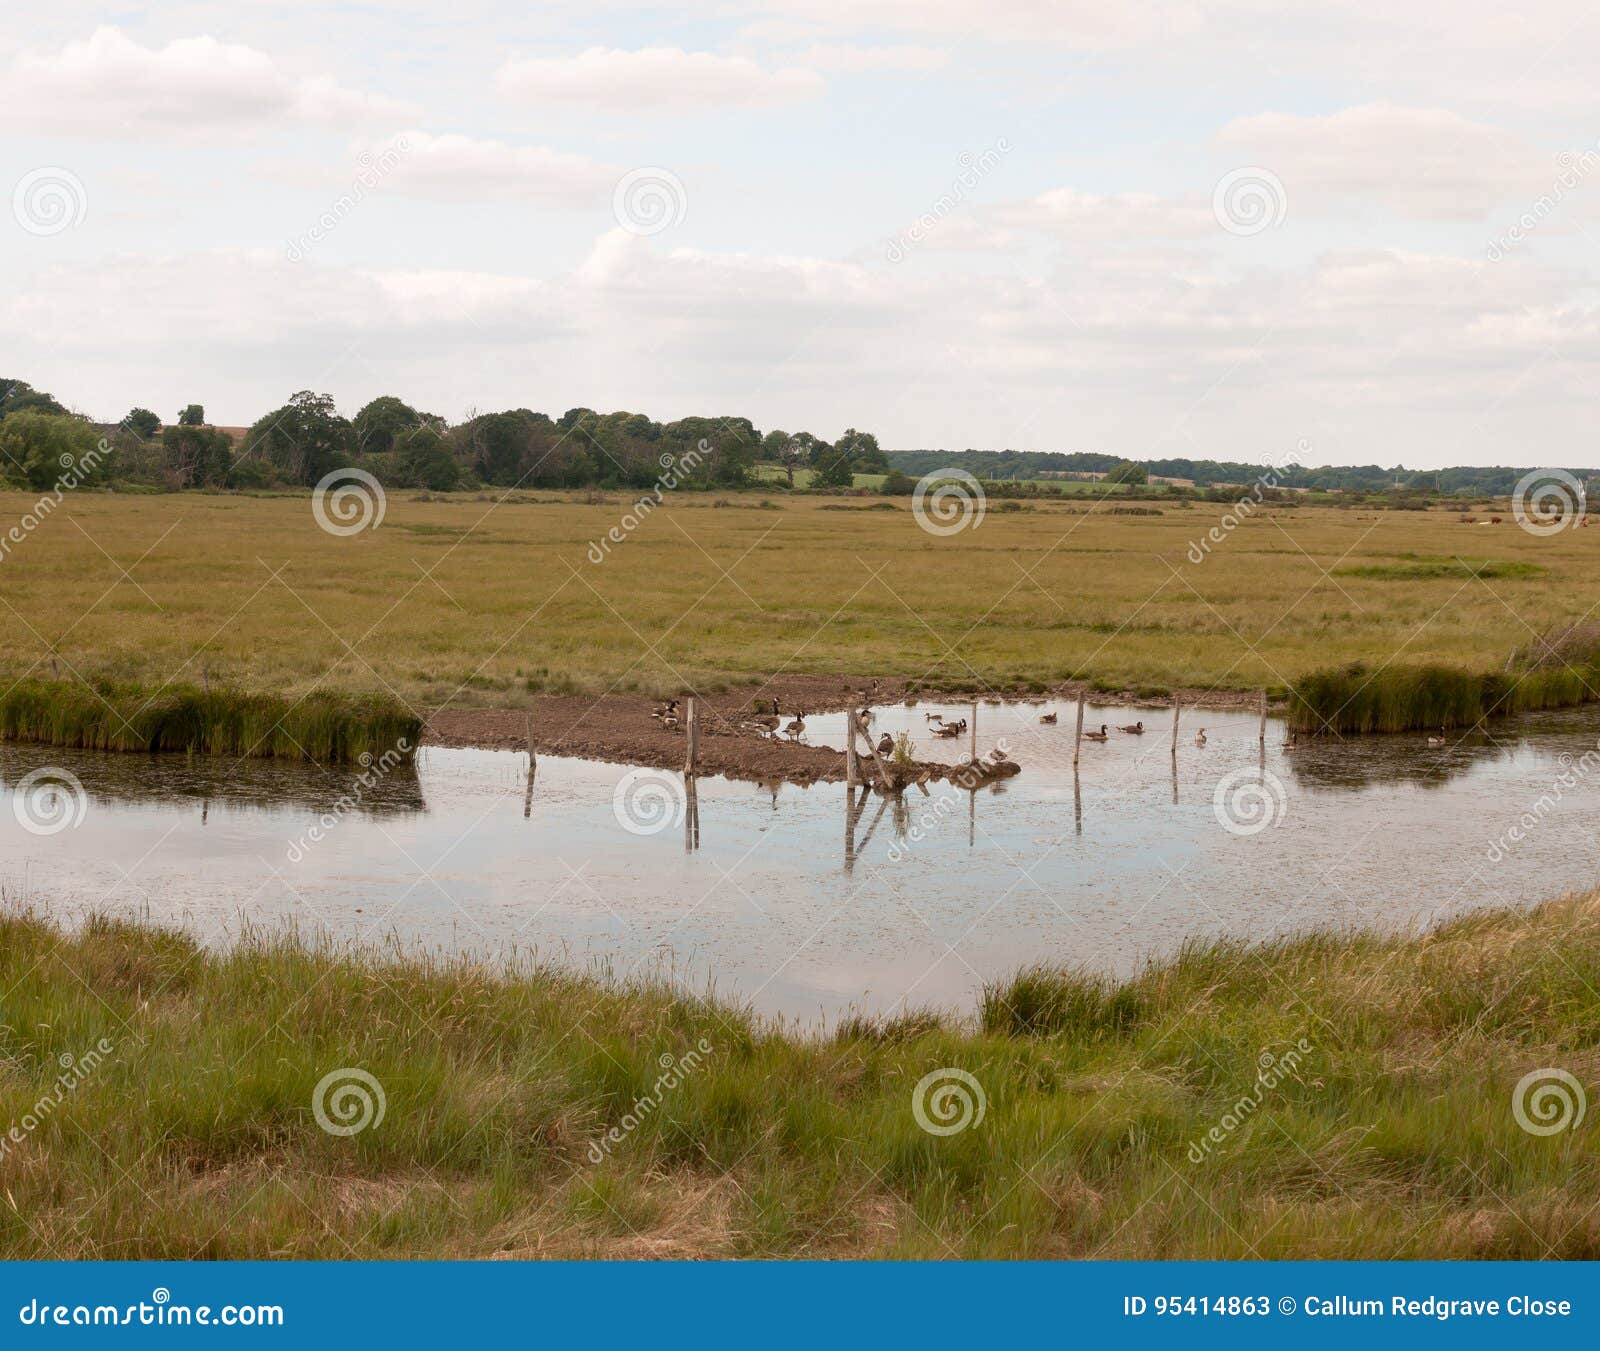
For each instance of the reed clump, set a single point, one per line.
(1561, 669)
(323, 726)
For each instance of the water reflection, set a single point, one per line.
(1120, 858)
(241, 785)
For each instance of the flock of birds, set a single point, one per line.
(1104, 734)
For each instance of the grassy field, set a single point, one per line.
(1316, 1098)
(477, 601)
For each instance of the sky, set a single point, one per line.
(1363, 233)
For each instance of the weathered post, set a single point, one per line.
(691, 733)
(1077, 736)
(1174, 725)
(527, 793)
(883, 769)
(1262, 737)
(852, 771)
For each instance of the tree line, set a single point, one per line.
(403, 446)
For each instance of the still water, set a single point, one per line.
(799, 901)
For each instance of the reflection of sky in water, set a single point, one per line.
(945, 890)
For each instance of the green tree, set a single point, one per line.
(193, 416)
(425, 461)
(1127, 472)
(832, 468)
(43, 448)
(197, 457)
(864, 451)
(379, 427)
(18, 396)
(142, 423)
(304, 440)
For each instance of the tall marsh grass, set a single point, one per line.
(1376, 1076)
(1559, 670)
(107, 716)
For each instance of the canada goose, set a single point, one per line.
(947, 729)
(669, 721)
(1200, 737)
(798, 726)
(1049, 719)
(1136, 729)
(885, 744)
(998, 755)
(1101, 735)
(934, 717)
(667, 710)
(1290, 742)
(1437, 740)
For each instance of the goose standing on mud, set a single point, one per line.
(885, 744)
(1200, 737)
(798, 726)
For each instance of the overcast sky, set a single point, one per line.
(1214, 229)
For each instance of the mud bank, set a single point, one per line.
(620, 729)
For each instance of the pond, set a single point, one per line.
(802, 901)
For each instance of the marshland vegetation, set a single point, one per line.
(486, 599)
(1321, 1097)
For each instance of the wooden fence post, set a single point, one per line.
(1174, 724)
(852, 771)
(883, 769)
(1077, 736)
(1263, 730)
(691, 733)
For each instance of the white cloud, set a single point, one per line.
(852, 60)
(460, 168)
(110, 86)
(1113, 216)
(653, 79)
(1370, 352)
(1422, 162)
